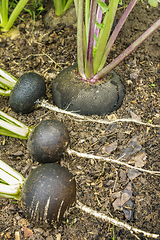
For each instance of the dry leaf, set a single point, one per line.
(27, 232)
(140, 159)
(133, 173)
(117, 204)
(110, 147)
(128, 209)
(125, 195)
(135, 116)
(122, 175)
(132, 148)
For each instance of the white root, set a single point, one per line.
(91, 156)
(113, 221)
(47, 105)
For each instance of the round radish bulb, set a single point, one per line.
(47, 193)
(48, 140)
(28, 89)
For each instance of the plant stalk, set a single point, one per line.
(115, 33)
(90, 41)
(7, 82)
(80, 37)
(19, 7)
(98, 19)
(104, 34)
(13, 128)
(101, 74)
(11, 182)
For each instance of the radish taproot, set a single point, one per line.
(30, 87)
(46, 142)
(46, 193)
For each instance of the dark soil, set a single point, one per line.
(47, 52)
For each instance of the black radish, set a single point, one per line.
(46, 193)
(48, 140)
(29, 88)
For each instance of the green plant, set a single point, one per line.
(9, 126)
(7, 82)
(152, 85)
(6, 21)
(113, 234)
(61, 6)
(95, 40)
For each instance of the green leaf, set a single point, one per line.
(153, 3)
(103, 6)
(99, 25)
(120, 2)
(41, 8)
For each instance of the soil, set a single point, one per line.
(47, 52)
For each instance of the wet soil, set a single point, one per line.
(47, 52)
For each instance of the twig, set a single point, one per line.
(44, 54)
(91, 156)
(115, 181)
(45, 104)
(113, 221)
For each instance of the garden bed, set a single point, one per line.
(47, 52)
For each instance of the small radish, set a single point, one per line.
(46, 142)
(27, 90)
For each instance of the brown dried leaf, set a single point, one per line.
(140, 159)
(135, 116)
(128, 209)
(122, 175)
(27, 232)
(110, 147)
(133, 173)
(117, 204)
(125, 195)
(133, 147)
